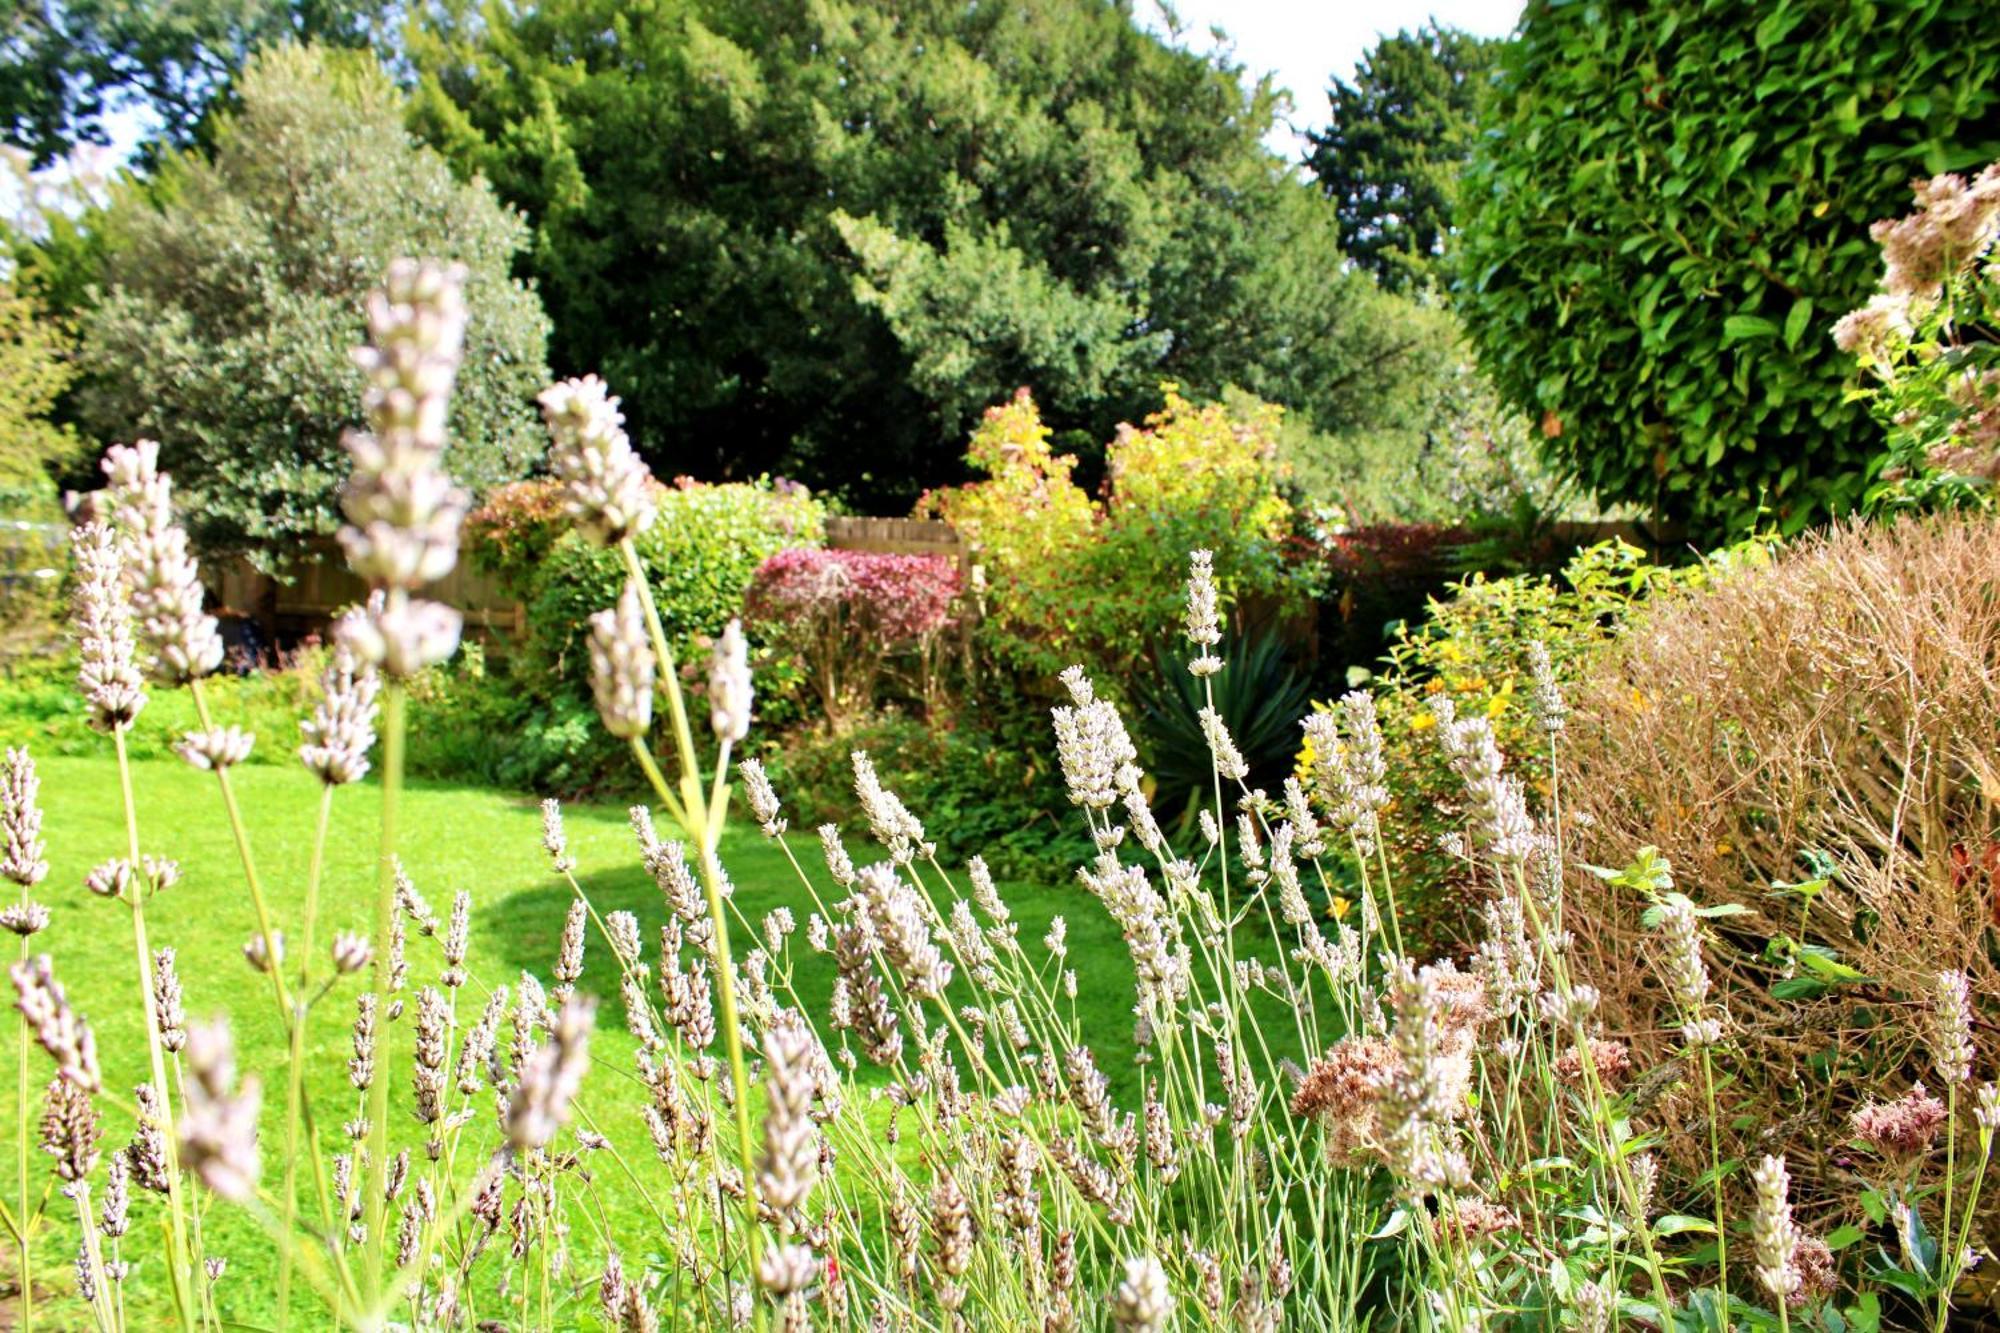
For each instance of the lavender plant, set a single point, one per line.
(1328, 1133)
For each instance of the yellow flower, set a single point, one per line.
(1724, 848)
(1338, 907)
(1423, 722)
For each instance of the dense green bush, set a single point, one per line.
(699, 558)
(990, 788)
(1071, 578)
(1670, 207)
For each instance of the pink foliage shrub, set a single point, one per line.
(845, 612)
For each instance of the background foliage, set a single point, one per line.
(70, 65)
(232, 295)
(783, 228)
(1071, 578)
(1668, 208)
(1397, 141)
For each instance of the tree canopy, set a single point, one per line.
(232, 295)
(820, 236)
(1391, 156)
(66, 66)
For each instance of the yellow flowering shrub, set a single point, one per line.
(1069, 577)
(1472, 648)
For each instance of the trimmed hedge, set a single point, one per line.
(1670, 207)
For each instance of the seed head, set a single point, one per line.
(351, 952)
(161, 576)
(729, 690)
(62, 1031)
(550, 1077)
(218, 1123)
(554, 842)
(217, 748)
(1204, 626)
(1142, 1302)
(1951, 1027)
(1772, 1231)
(168, 1010)
(763, 798)
(341, 730)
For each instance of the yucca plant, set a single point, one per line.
(1259, 695)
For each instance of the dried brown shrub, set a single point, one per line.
(1834, 710)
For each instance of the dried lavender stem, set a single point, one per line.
(180, 1261)
(385, 913)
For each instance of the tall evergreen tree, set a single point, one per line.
(1399, 137)
(818, 236)
(232, 293)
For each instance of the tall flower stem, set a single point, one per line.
(295, 1074)
(1715, 1168)
(21, 1229)
(256, 886)
(180, 1264)
(704, 826)
(1948, 1263)
(385, 911)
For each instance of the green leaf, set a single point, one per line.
(1674, 1224)
(1798, 321)
(1841, 1237)
(1740, 328)
(1397, 1222)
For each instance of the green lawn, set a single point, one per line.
(483, 841)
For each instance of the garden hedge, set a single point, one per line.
(1670, 207)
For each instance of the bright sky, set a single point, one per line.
(1306, 42)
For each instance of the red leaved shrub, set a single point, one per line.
(849, 614)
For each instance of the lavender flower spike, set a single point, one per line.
(160, 572)
(403, 510)
(621, 667)
(107, 672)
(605, 485)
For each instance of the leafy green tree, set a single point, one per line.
(1396, 145)
(35, 369)
(1669, 208)
(820, 236)
(232, 300)
(66, 65)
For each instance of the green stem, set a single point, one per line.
(1715, 1167)
(180, 1262)
(27, 1301)
(295, 1079)
(242, 836)
(1947, 1262)
(385, 911)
